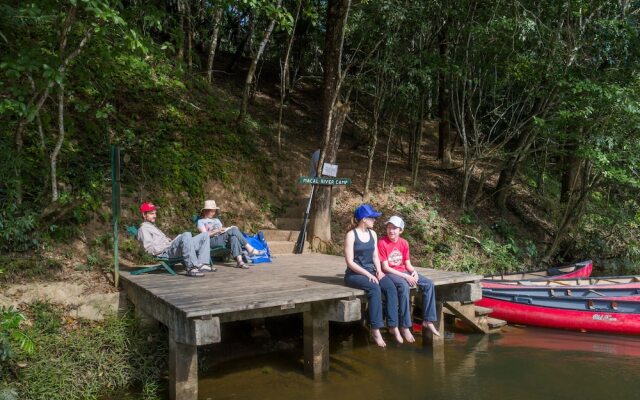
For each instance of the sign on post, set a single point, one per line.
(330, 170)
(319, 180)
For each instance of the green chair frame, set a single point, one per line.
(165, 263)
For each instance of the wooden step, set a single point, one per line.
(495, 323)
(480, 311)
(274, 235)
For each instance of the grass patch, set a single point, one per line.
(20, 267)
(76, 359)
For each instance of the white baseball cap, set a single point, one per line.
(396, 221)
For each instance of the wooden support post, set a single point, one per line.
(183, 370)
(316, 343)
(428, 339)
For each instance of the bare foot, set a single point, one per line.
(396, 333)
(406, 333)
(377, 337)
(431, 327)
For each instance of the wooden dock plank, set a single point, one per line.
(311, 284)
(294, 279)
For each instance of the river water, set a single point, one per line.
(522, 363)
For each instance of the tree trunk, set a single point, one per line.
(334, 112)
(189, 37)
(392, 125)
(373, 141)
(321, 227)
(252, 68)
(510, 169)
(284, 75)
(217, 15)
(415, 154)
(180, 39)
(60, 141)
(238, 54)
(444, 130)
(570, 171)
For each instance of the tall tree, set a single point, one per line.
(334, 111)
(254, 61)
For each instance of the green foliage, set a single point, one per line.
(16, 230)
(11, 334)
(90, 360)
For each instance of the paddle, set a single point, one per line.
(299, 248)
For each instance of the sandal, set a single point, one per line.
(242, 266)
(195, 273)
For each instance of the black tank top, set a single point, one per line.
(363, 252)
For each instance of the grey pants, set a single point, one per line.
(195, 250)
(231, 239)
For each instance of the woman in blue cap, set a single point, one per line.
(364, 272)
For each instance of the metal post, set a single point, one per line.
(115, 207)
(302, 236)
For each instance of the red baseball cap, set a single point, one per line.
(147, 207)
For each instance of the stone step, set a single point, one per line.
(290, 223)
(296, 210)
(285, 247)
(273, 235)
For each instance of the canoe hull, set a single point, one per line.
(577, 320)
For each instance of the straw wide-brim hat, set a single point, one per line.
(210, 205)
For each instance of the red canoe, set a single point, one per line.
(594, 283)
(577, 270)
(612, 315)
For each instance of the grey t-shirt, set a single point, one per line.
(210, 224)
(153, 240)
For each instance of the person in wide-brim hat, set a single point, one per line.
(229, 237)
(210, 205)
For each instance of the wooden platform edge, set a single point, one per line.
(192, 331)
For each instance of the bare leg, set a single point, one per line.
(432, 328)
(377, 337)
(396, 333)
(406, 333)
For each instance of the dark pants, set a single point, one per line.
(374, 298)
(425, 285)
(231, 239)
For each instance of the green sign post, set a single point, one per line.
(319, 180)
(115, 207)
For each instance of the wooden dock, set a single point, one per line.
(312, 284)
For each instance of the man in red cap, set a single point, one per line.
(195, 250)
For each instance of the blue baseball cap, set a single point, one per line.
(366, 211)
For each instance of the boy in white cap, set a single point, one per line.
(195, 250)
(396, 263)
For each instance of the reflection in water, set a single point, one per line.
(523, 363)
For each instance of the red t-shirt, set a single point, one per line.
(396, 254)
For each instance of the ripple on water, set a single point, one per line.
(522, 363)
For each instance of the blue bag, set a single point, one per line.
(258, 242)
